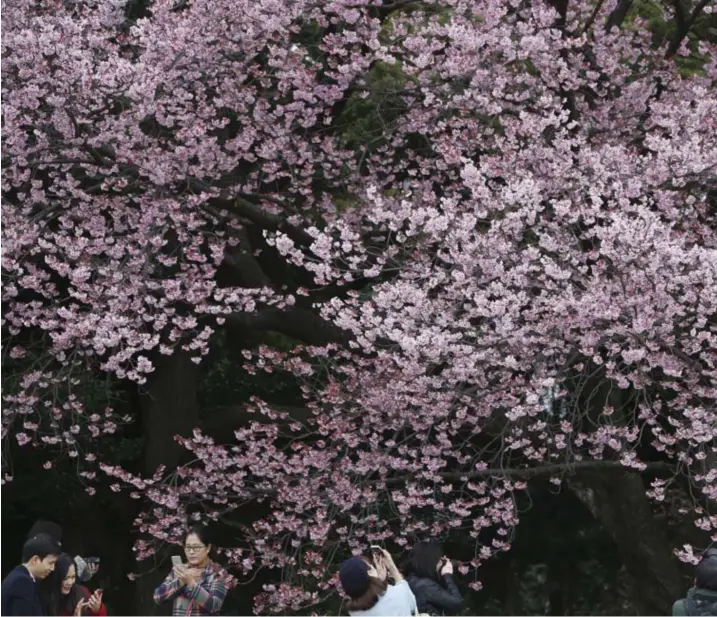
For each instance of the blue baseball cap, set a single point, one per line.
(354, 576)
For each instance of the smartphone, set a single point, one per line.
(92, 560)
(376, 553)
(176, 560)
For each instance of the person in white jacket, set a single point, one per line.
(364, 581)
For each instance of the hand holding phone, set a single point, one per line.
(80, 607)
(445, 567)
(94, 603)
(376, 554)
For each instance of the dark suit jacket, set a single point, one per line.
(19, 594)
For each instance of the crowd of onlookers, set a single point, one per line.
(49, 581)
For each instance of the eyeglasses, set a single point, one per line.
(194, 549)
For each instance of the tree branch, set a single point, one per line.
(385, 9)
(240, 267)
(679, 13)
(261, 218)
(618, 15)
(297, 322)
(542, 470)
(593, 16)
(222, 421)
(526, 473)
(682, 32)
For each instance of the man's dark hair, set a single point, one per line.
(706, 571)
(49, 528)
(41, 545)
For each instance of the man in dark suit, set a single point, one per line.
(19, 594)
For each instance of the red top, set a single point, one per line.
(87, 611)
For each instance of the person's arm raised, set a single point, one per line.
(391, 567)
(212, 598)
(171, 586)
(446, 597)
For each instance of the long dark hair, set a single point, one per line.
(51, 588)
(50, 528)
(425, 558)
(376, 588)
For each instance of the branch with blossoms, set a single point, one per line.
(59, 407)
(504, 260)
(320, 507)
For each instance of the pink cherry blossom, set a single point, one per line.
(520, 251)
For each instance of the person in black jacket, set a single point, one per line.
(702, 598)
(431, 580)
(19, 591)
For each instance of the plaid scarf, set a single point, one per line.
(205, 598)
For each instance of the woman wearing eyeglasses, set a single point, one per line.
(199, 586)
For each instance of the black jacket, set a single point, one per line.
(19, 594)
(698, 602)
(434, 598)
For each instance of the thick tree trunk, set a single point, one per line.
(169, 408)
(617, 500)
(559, 583)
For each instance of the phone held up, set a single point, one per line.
(176, 560)
(446, 560)
(376, 554)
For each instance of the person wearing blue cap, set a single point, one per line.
(370, 595)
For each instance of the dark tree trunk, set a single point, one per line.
(559, 582)
(169, 408)
(618, 501)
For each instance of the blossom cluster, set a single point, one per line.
(526, 273)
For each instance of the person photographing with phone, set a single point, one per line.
(198, 587)
(364, 580)
(64, 596)
(85, 567)
(431, 580)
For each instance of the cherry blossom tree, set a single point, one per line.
(489, 227)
